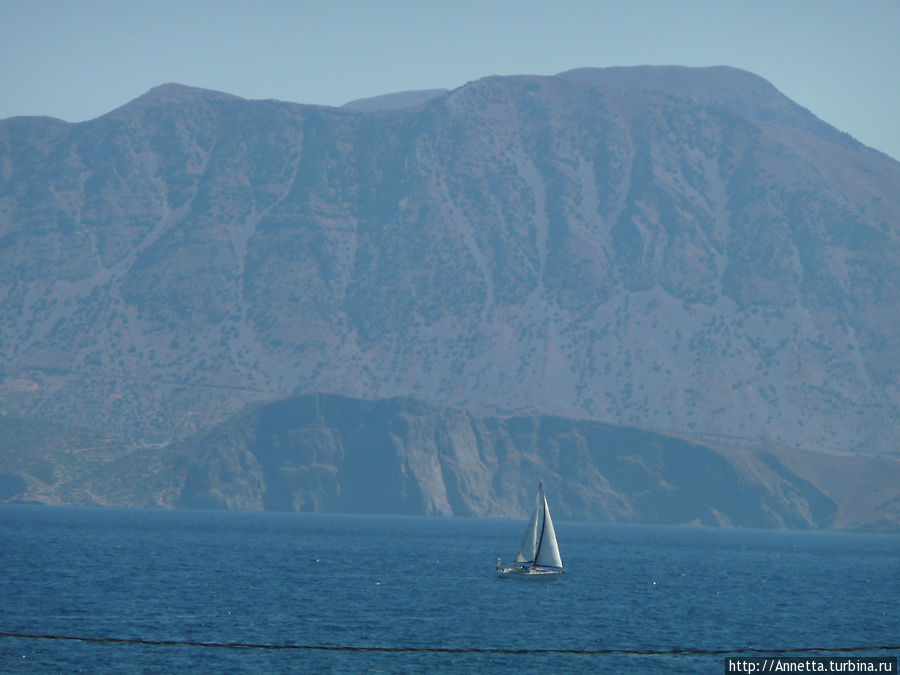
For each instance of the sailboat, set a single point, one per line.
(539, 553)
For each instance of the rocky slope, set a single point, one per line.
(329, 453)
(671, 248)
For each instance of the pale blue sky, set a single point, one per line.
(77, 59)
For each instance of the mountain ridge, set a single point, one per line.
(626, 254)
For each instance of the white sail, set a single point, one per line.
(548, 548)
(529, 548)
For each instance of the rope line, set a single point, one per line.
(445, 650)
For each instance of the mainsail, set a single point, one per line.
(528, 550)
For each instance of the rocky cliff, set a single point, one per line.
(334, 454)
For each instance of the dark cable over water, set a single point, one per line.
(446, 650)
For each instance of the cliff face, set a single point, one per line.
(333, 454)
(670, 248)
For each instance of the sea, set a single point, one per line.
(106, 590)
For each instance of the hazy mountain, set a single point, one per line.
(671, 248)
(397, 101)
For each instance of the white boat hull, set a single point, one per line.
(527, 573)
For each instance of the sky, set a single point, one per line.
(78, 59)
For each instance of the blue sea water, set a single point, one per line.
(369, 581)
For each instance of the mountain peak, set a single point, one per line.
(702, 85)
(669, 78)
(169, 94)
(719, 86)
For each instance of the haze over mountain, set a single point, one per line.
(676, 249)
(397, 101)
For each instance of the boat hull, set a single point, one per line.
(528, 573)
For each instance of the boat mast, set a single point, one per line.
(537, 551)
